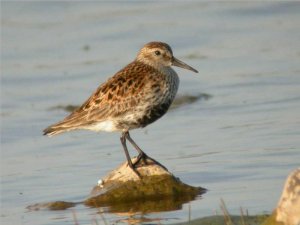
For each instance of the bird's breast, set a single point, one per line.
(157, 95)
(159, 98)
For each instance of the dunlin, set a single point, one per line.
(134, 97)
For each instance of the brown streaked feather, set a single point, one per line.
(112, 99)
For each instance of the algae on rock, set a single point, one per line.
(156, 190)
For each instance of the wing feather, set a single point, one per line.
(114, 98)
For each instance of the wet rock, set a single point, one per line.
(157, 190)
(57, 205)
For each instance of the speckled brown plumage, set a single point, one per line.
(134, 97)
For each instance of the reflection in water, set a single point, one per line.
(138, 220)
(148, 206)
(136, 212)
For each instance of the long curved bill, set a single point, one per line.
(177, 62)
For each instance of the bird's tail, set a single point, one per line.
(58, 128)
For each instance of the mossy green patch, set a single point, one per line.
(145, 194)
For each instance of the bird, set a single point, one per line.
(134, 97)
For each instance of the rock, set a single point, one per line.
(156, 190)
(57, 205)
(288, 208)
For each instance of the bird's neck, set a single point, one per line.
(157, 66)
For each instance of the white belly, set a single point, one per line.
(108, 126)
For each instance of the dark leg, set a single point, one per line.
(142, 155)
(123, 141)
(140, 151)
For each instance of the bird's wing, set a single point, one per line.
(114, 98)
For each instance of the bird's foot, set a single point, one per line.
(144, 157)
(132, 166)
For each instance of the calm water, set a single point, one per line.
(240, 144)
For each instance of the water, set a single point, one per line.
(240, 144)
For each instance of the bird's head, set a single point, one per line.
(159, 54)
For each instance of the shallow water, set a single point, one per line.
(240, 144)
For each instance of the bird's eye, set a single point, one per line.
(157, 52)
